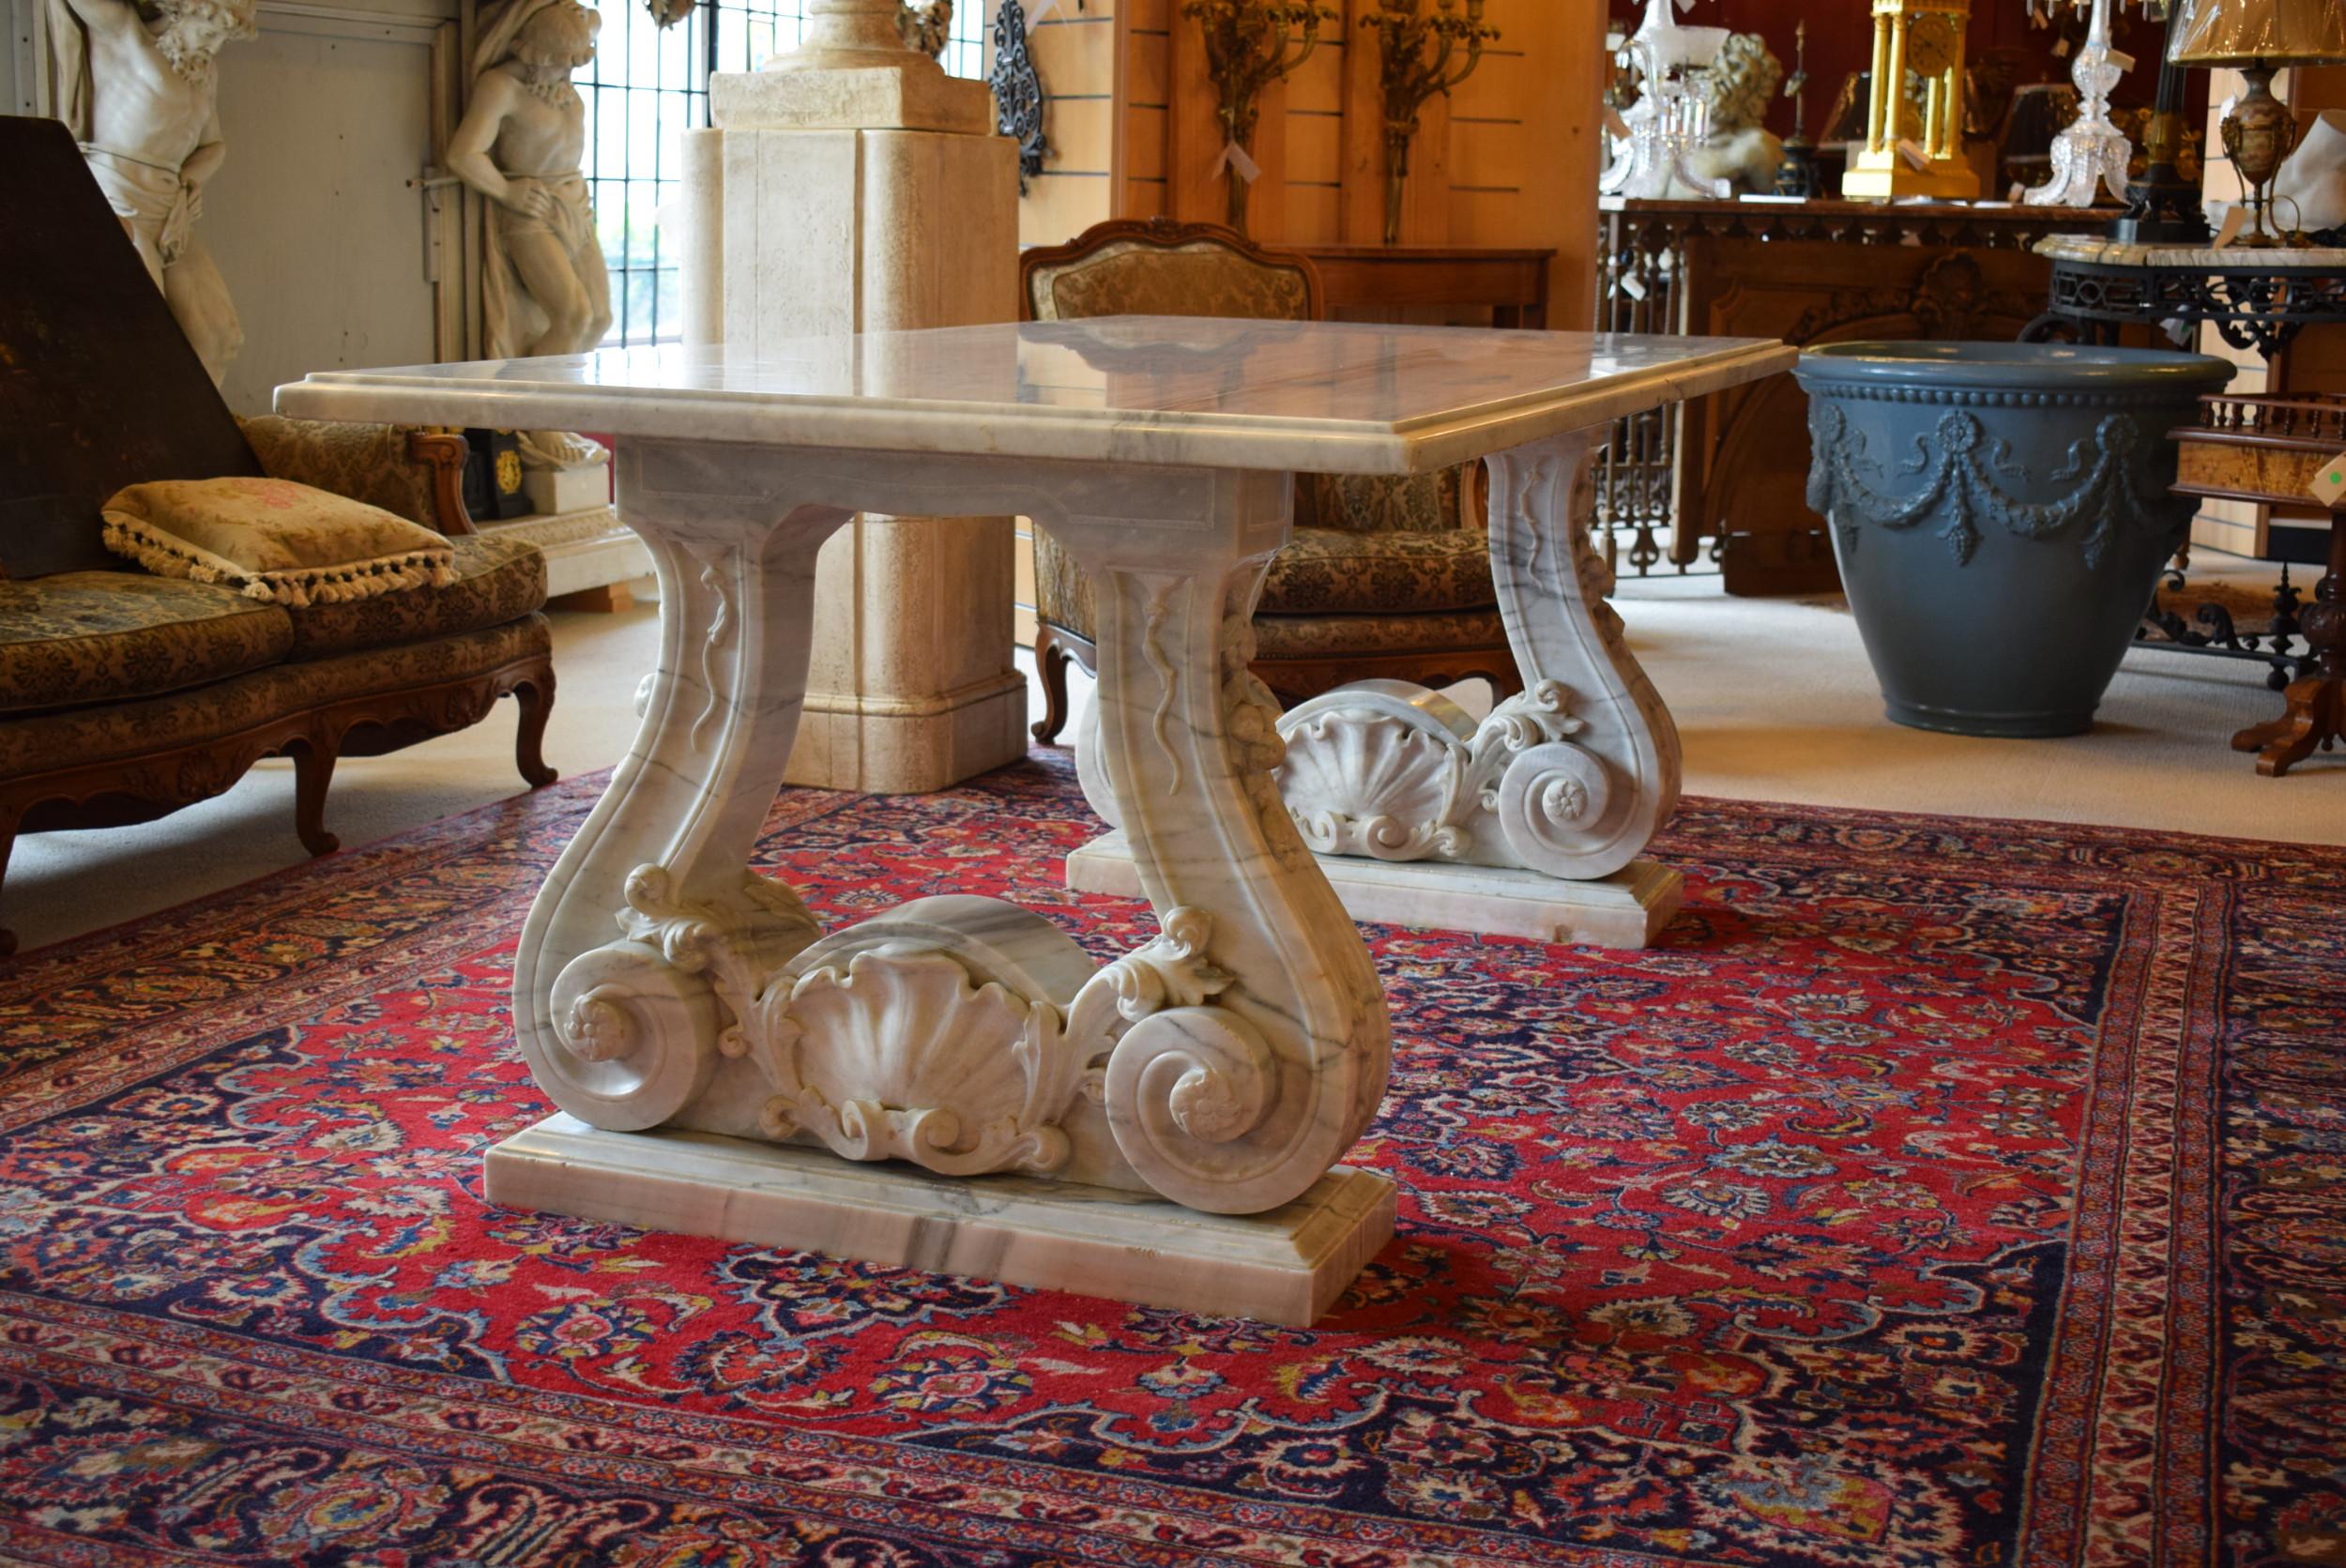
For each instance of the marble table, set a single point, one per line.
(953, 1084)
(1530, 821)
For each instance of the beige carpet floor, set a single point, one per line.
(1774, 700)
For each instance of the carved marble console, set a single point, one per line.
(954, 1084)
(1529, 822)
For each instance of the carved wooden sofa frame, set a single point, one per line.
(123, 695)
(513, 659)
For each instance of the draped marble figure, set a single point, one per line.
(141, 96)
(521, 144)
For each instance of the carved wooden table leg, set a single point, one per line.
(727, 1068)
(1527, 823)
(2316, 714)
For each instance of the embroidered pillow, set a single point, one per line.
(274, 539)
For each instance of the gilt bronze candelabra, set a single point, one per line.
(1410, 75)
(1249, 45)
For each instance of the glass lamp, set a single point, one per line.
(2258, 38)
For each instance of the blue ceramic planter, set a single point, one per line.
(2000, 513)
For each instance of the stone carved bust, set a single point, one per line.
(1739, 84)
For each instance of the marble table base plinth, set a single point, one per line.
(1626, 909)
(1286, 1265)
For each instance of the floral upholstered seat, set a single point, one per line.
(1383, 576)
(126, 695)
(79, 637)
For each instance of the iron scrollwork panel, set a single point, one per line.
(1020, 104)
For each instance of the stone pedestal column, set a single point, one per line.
(853, 186)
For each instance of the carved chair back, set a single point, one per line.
(1155, 266)
(98, 386)
(1158, 266)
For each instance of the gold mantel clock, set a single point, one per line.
(1924, 36)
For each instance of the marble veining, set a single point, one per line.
(2112, 253)
(1568, 780)
(954, 1043)
(1324, 397)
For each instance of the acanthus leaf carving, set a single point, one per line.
(1251, 728)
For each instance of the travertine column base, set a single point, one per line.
(1626, 909)
(851, 198)
(1286, 1265)
(850, 742)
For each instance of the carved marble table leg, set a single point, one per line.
(1528, 823)
(953, 1083)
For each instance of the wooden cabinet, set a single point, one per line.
(1733, 467)
(1511, 283)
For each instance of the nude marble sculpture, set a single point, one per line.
(142, 99)
(522, 144)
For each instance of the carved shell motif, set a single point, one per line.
(900, 1055)
(1390, 771)
(1365, 782)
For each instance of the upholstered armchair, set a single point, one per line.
(1384, 577)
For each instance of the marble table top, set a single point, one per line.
(1321, 397)
(2110, 252)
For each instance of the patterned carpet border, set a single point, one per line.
(1939, 1191)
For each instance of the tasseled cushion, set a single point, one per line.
(274, 539)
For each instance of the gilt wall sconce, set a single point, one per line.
(1249, 45)
(1410, 75)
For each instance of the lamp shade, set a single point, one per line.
(2245, 32)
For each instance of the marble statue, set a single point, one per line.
(927, 29)
(1740, 85)
(544, 289)
(141, 98)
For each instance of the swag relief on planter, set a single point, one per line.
(1962, 470)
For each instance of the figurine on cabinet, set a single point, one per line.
(1739, 85)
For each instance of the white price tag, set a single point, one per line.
(1914, 154)
(1234, 157)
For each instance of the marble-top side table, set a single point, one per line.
(2255, 299)
(952, 1084)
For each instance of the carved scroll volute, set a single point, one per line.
(623, 1037)
(1235, 1094)
(1582, 807)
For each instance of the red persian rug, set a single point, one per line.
(1940, 1193)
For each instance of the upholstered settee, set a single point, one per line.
(124, 696)
(1382, 577)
